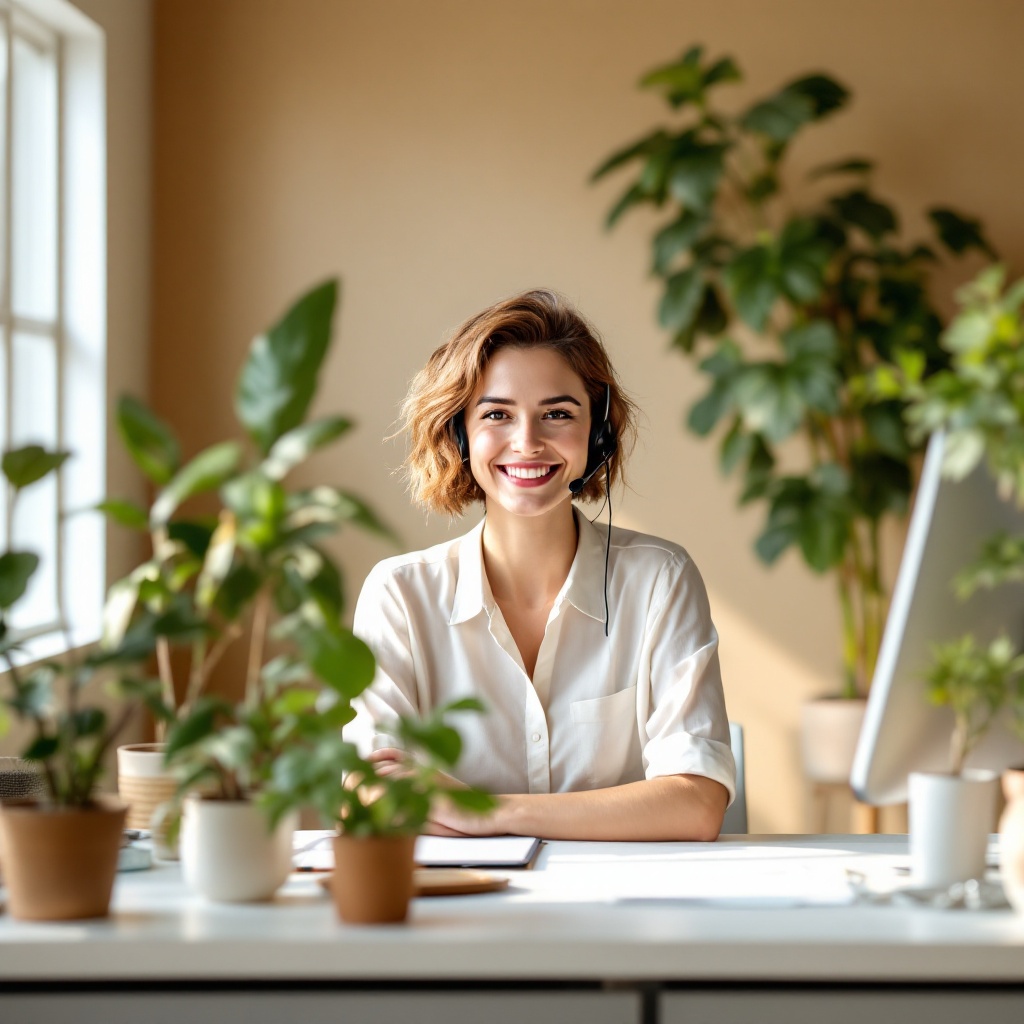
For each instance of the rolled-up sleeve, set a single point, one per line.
(381, 620)
(684, 727)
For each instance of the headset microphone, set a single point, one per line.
(579, 483)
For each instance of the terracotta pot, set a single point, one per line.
(829, 730)
(1011, 838)
(229, 853)
(60, 863)
(144, 784)
(373, 878)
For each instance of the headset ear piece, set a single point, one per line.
(459, 435)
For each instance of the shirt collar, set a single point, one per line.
(583, 589)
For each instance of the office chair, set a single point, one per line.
(736, 816)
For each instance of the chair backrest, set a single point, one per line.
(736, 816)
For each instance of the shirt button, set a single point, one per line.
(535, 737)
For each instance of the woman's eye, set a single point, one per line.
(559, 414)
(493, 414)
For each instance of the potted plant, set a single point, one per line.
(787, 294)
(979, 402)
(252, 551)
(378, 813)
(60, 851)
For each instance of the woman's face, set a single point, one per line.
(528, 423)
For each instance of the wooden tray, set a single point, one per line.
(447, 881)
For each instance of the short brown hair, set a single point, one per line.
(438, 479)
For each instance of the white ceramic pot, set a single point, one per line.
(829, 730)
(951, 817)
(228, 852)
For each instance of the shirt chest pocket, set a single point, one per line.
(604, 734)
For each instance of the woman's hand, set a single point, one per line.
(445, 818)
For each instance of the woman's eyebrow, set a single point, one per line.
(557, 400)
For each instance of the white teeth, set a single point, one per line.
(523, 473)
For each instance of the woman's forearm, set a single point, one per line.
(669, 808)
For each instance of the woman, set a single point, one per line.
(598, 665)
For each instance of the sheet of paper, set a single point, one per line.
(312, 851)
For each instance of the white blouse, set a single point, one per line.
(644, 701)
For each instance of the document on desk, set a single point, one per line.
(312, 851)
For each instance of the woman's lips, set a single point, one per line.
(528, 476)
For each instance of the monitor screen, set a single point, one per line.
(903, 732)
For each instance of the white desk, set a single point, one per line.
(577, 937)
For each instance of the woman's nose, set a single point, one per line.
(526, 437)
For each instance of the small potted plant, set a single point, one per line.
(60, 851)
(378, 814)
(252, 553)
(979, 402)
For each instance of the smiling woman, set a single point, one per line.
(597, 660)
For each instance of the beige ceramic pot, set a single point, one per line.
(144, 784)
(59, 864)
(1011, 838)
(373, 878)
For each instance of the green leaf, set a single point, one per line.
(824, 93)
(631, 197)
(124, 513)
(194, 535)
(769, 401)
(750, 279)
(859, 209)
(440, 740)
(737, 446)
(677, 237)
(696, 172)
(206, 472)
(780, 116)
(642, 147)
(149, 440)
(328, 504)
(24, 466)
(774, 541)
(88, 722)
(959, 233)
(339, 658)
(723, 70)
(710, 321)
(241, 584)
(16, 569)
(679, 304)
(41, 748)
(851, 166)
(293, 448)
(196, 727)
(475, 801)
(708, 411)
(816, 338)
(884, 424)
(280, 376)
(683, 81)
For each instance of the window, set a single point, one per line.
(52, 306)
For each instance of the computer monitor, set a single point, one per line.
(902, 731)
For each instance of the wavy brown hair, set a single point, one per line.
(438, 479)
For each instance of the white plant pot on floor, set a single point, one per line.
(229, 854)
(951, 817)
(829, 729)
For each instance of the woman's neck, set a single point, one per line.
(527, 558)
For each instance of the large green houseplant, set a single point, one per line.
(786, 293)
(60, 852)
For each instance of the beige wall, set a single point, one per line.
(436, 154)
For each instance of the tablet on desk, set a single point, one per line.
(312, 851)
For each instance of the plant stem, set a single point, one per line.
(166, 673)
(260, 617)
(203, 664)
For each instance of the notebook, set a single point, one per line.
(312, 851)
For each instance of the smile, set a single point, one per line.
(529, 476)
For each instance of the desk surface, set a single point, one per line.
(587, 911)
